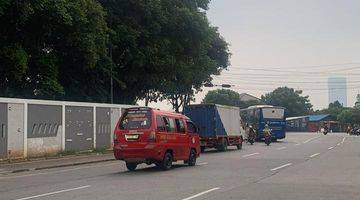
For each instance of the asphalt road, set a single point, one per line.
(303, 166)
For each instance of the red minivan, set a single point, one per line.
(151, 136)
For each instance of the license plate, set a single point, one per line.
(131, 137)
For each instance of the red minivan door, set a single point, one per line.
(183, 139)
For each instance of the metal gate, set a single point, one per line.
(79, 128)
(103, 128)
(3, 130)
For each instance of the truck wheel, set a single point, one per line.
(192, 158)
(239, 146)
(223, 145)
(166, 163)
(131, 166)
(202, 148)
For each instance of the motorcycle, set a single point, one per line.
(252, 137)
(267, 137)
(325, 131)
(357, 132)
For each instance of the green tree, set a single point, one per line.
(350, 115)
(334, 109)
(222, 97)
(50, 48)
(162, 49)
(291, 99)
(197, 51)
(227, 97)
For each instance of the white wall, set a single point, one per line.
(16, 130)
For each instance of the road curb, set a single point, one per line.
(56, 166)
(74, 164)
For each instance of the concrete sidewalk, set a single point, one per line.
(72, 160)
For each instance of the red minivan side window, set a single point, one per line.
(180, 127)
(191, 127)
(171, 125)
(160, 124)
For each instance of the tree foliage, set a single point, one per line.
(349, 115)
(334, 109)
(227, 97)
(163, 48)
(49, 48)
(63, 49)
(292, 100)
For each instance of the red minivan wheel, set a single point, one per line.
(166, 163)
(192, 158)
(131, 166)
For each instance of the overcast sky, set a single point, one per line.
(295, 43)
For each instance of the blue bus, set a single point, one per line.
(258, 116)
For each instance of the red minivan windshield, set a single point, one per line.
(136, 119)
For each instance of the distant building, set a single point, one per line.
(313, 123)
(244, 97)
(337, 90)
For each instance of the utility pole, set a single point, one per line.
(111, 78)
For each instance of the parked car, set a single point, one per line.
(219, 126)
(151, 136)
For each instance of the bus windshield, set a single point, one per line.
(273, 113)
(138, 119)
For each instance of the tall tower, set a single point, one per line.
(337, 90)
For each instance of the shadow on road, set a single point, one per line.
(152, 169)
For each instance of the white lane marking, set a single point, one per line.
(338, 144)
(56, 192)
(330, 148)
(248, 155)
(297, 144)
(201, 193)
(343, 140)
(282, 166)
(55, 172)
(306, 141)
(316, 154)
(281, 148)
(203, 163)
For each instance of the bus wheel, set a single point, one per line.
(131, 166)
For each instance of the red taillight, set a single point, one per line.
(116, 137)
(152, 136)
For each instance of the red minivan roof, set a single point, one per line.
(160, 112)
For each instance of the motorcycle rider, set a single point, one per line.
(349, 130)
(267, 131)
(251, 133)
(267, 134)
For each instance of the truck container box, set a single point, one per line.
(215, 120)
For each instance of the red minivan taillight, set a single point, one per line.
(116, 137)
(152, 136)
